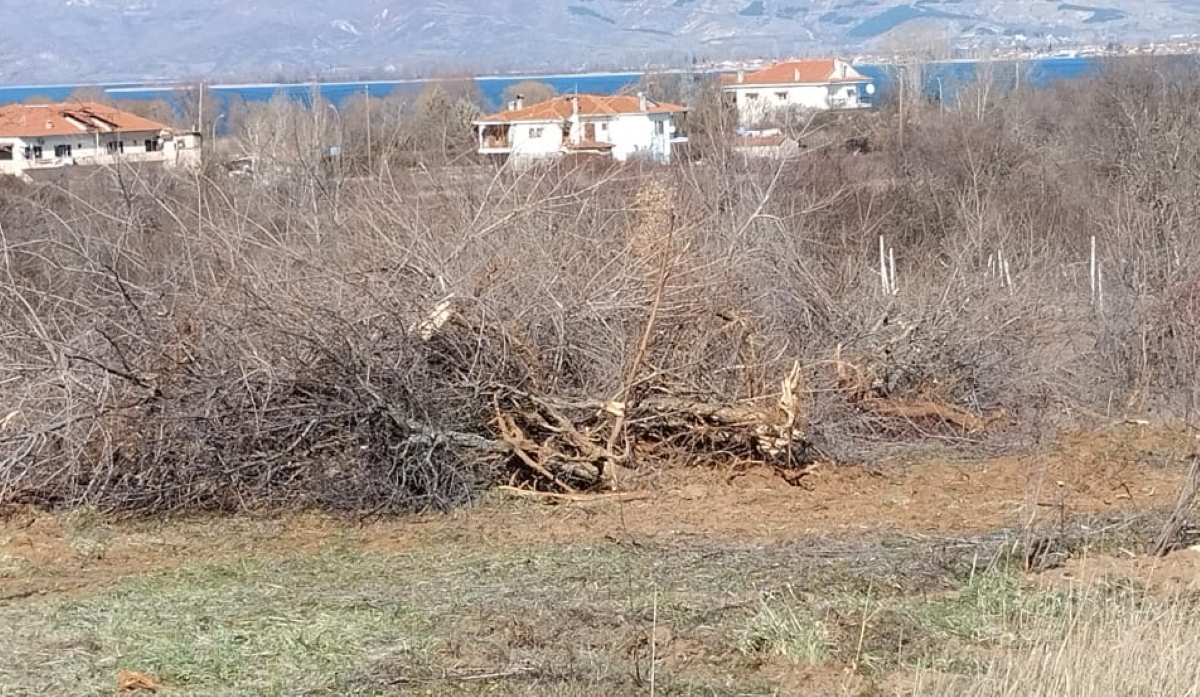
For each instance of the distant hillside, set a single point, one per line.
(72, 40)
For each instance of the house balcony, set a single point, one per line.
(494, 140)
(494, 146)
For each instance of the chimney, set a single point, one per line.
(741, 76)
(796, 75)
(512, 106)
(641, 101)
(574, 127)
(520, 101)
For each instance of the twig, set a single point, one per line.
(654, 642)
(576, 498)
(475, 676)
(1183, 506)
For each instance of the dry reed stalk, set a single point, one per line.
(1168, 538)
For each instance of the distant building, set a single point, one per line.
(620, 127)
(769, 144)
(826, 83)
(48, 136)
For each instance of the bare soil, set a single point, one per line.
(1124, 469)
(1170, 576)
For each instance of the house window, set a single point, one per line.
(115, 146)
(536, 132)
(153, 145)
(660, 127)
(62, 150)
(752, 96)
(781, 96)
(33, 153)
(6, 152)
(603, 125)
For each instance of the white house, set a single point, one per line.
(46, 136)
(619, 126)
(826, 83)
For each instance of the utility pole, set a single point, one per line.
(314, 102)
(200, 124)
(367, 103)
(902, 74)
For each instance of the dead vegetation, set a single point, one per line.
(401, 341)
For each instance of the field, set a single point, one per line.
(912, 413)
(906, 580)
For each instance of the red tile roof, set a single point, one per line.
(798, 72)
(560, 108)
(26, 120)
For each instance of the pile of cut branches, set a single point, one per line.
(570, 446)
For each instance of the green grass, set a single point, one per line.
(349, 622)
(554, 620)
(789, 629)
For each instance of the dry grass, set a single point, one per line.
(889, 616)
(1140, 646)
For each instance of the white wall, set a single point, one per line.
(527, 139)
(757, 102)
(17, 163)
(86, 148)
(183, 150)
(630, 134)
(637, 134)
(845, 96)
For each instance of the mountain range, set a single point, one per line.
(114, 40)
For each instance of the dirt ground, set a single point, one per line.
(1167, 577)
(1124, 469)
(853, 581)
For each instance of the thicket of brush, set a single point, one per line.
(188, 343)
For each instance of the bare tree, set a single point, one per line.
(90, 94)
(532, 90)
(401, 339)
(442, 123)
(912, 47)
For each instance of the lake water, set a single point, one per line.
(942, 80)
